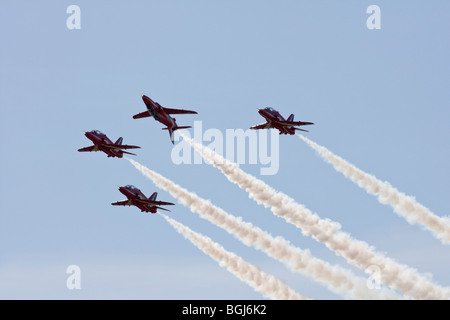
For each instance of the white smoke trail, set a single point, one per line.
(356, 252)
(405, 206)
(338, 280)
(249, 273)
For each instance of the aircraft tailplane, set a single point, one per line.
(182, 127)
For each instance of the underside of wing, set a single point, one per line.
(144, 114)
(162, 208)
(87, 149)
(300, 123)
(294, 123)
(162, 203)
(179, 111)
(121, 203)
(120, 146)
(261, 126)
(128, 153)
(156, 203)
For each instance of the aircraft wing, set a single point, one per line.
(300, 123)
(162, 203)
(87, 149)
(261, 126)
(144, 114)
(121, 203)
(128, 153)
(120, 146)
(178, 111)
(293, 123)
(155, 203)
(162, 208)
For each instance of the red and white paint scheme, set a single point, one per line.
(161, 114)
(103, 143)
(135, 197)
(275, 120)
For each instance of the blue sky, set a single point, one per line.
(378, 98)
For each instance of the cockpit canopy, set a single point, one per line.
(131, 187)
(271, 109)
(97, 132)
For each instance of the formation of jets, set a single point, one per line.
(135, 197)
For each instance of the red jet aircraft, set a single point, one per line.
(138, 199)
(102, 143)
(275, 120)
(161, 114)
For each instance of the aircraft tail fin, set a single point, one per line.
(172, 130)
(119, 141)
(291, 118)
(153, 196)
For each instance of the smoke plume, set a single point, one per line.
(406, 206)
(356, 252)
(249, 273)
(335, 278)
